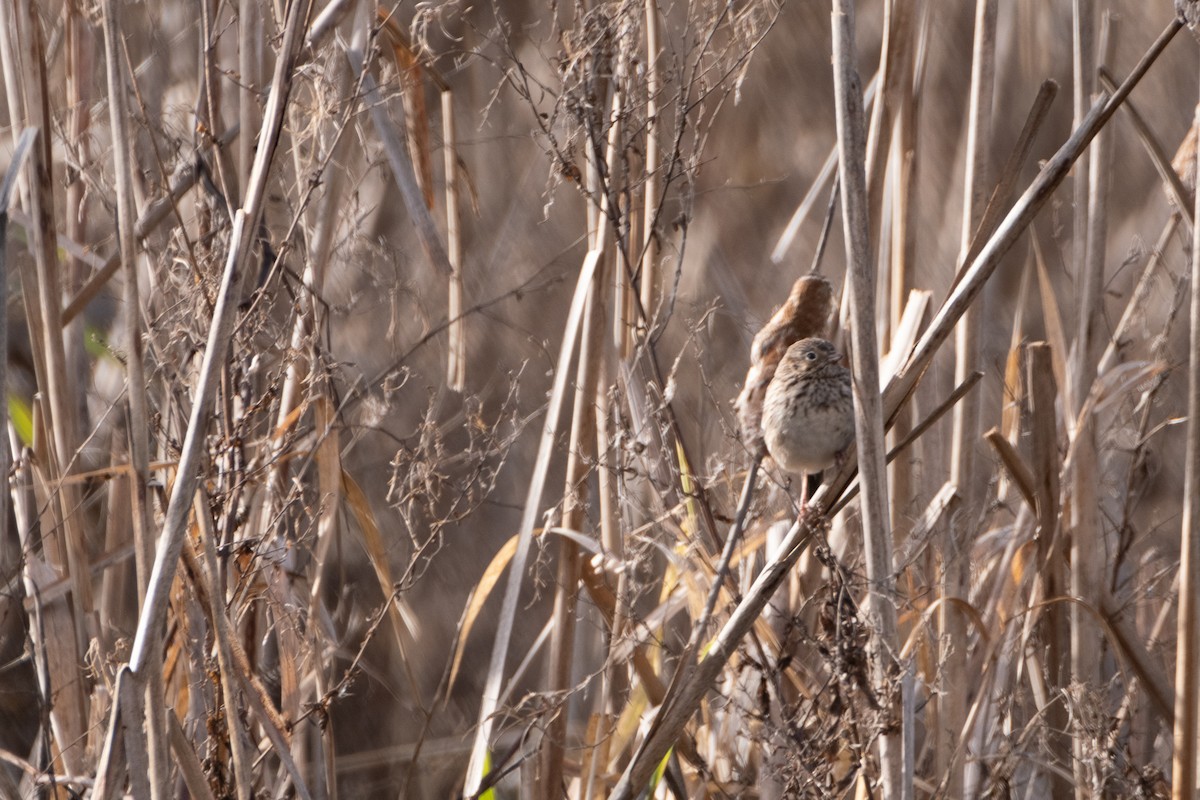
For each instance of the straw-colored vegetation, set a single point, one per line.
(369, 391)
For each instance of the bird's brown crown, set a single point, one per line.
(811, 355)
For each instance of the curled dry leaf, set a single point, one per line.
(806, 313)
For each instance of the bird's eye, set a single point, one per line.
(810, 355)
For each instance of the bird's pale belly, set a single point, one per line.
(810, 441)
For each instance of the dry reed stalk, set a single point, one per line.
(139, 423)
(139, 418)
(1083, 71)
(329, 486)
(189, 764)
(1177, 192)
(581, 452)
(250, 38)
(965, 464)
(1087, 543)
(868, 406)
(652, 193)
(456, 335)
(79, 63)
(1081, 82)
(1187, 654)
(895, 75)
(902, 166)
(491, 695)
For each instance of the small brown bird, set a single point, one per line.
(808, 413)
(805, 313)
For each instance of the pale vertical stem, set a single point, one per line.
(903, 155)
(1187, 653)
(1083, 68)
(249, 69)
(611, 539)
(868, 405)
(135, 374)
(139, 420)
(1087, 535)
(456, 367)
(624, 317)
(610, 526)
(653, 189)
(492, 687)
(966, 419)
(583, 427)
(1089, 337)
(79, 76)
(10, 58)
(581, 452)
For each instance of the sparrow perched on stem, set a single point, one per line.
(805, 313)
(808, 412)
